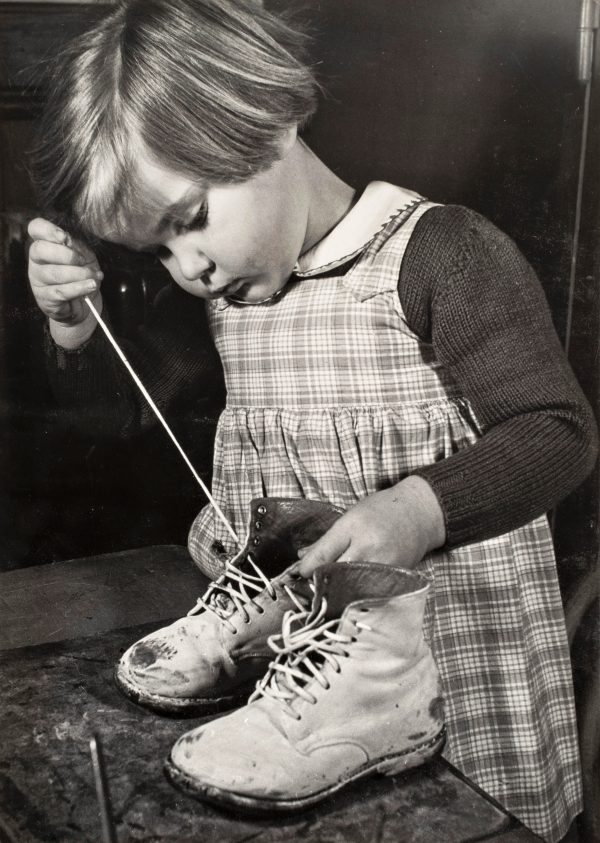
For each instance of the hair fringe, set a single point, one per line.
(156, 75)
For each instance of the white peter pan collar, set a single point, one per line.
(375, 207)
(378, 203)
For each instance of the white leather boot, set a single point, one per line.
(210, 660)
(354, 690)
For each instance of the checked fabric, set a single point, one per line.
(332, 397)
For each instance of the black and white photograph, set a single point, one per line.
(299, 378)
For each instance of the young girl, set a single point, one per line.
(385, 354)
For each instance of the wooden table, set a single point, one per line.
(62, 628)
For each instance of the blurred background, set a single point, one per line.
(492, 105)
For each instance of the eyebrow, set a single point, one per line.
(176, 210)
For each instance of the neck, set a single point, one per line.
(329, 197)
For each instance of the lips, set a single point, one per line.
(226, 289)
(239, 287)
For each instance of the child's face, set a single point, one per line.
(241, 239)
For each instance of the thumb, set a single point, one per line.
(327, 549)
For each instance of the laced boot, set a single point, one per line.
(353, 690)
(209, 661)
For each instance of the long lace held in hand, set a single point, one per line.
(161, 418)
(235, 589)
(307, 642)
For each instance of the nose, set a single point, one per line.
(191, 261)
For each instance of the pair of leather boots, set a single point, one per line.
(346, 685)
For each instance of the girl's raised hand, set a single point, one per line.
(61, 271)
(396, 526)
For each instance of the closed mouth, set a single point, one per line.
(227, 289)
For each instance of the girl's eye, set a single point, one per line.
(198, 221)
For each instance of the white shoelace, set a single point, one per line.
(301, 655)
(235, 590)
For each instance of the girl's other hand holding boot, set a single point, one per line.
(396, 526)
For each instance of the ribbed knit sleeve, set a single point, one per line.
(466, 288)
(172, 354)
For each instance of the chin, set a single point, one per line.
(254, 293)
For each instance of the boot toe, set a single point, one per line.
(207, 759)
(262, 768)
(168, 663)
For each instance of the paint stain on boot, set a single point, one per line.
(144, 655)
(436, 708)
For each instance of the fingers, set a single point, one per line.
(64, 303)
(41, 229)
(46, 275)
(62, 270)
(58, 290)
(53, 245)
(57, 295)
(329, 548)
(47, 252)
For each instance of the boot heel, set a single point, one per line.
(413, 757)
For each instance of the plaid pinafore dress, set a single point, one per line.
(331, 396)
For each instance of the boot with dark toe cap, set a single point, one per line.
(210, 660)
(353, 691)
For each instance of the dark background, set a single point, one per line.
(467, 101)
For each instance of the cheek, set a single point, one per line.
(272, 242)
(253, 235)
(239, 252)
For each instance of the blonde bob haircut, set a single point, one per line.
(206, 86)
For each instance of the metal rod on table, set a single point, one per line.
(109, 834)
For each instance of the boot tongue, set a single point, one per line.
(222, 604)
(342, 583)
(221, 593)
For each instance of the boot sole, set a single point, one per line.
(183, 706)
(388, 766)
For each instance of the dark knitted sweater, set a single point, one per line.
(466, 289)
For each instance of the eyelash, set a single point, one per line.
(197, 223)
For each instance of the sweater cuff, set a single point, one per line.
(463, 519)
(61, 354)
